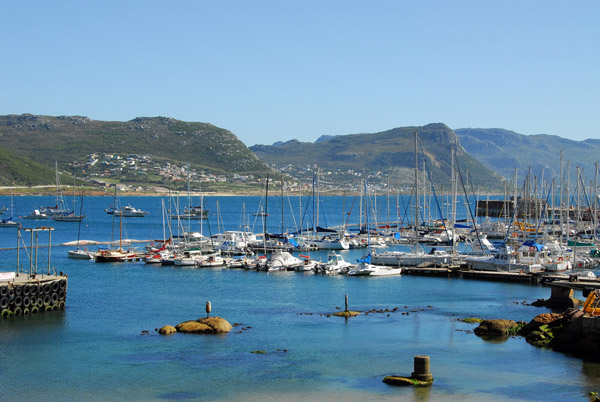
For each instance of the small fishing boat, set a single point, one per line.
(335, 265)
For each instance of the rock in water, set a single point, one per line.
(219, 325)
(347, 313)
(495, 327)
(539, 320)
(194, 327)
(167, 330)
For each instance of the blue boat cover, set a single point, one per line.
(366, 260)
(538, 246)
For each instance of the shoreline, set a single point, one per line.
(18, 191)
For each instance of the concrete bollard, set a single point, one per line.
(207, 309)
(421, 372)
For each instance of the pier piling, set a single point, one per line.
(421, 372)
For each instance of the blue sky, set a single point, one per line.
(279, 70)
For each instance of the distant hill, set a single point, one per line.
(16, 169)
(70, 138)
(390, 152)
(503, 151)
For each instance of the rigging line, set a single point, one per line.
(292, 212)
(434, 194)
(351, 207)
(468, 203)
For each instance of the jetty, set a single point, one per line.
(28, 291)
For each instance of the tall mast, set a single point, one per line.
(416, 192)
(282, 205)
(453, 202)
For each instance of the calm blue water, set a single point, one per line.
(95, 350)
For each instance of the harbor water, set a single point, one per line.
(98, 347)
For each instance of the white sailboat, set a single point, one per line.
(9, 222)
(365, 266)
(80, 254)
(60, 208)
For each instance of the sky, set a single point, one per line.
(299, 69)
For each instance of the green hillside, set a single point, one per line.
(390, 153)
(71, 138)
(16, 169)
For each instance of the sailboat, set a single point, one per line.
(79, 253)
(365, 266)
(116, 254)
(70, 216)
(60, 207)
(9, 223)
(418, 255)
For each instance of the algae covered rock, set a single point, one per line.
(219, 325)
(539, 321)
(496, 327)
(405, 381)
(167, 330)
(194, 327)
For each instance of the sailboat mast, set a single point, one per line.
(281, 205)
(416, 192)
(453, 202)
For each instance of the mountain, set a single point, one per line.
(385, 154)
(503, 151)
(71, 138)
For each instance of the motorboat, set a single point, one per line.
(129, 211)
(365, 267)
(396, 258)
(335, 265)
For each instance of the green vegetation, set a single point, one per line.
(471, 320)
(72, 138)
(390, 152)
(16, 169)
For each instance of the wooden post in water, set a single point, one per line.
(207, 309)
(346, 303)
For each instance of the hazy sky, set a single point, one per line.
(279, 70)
